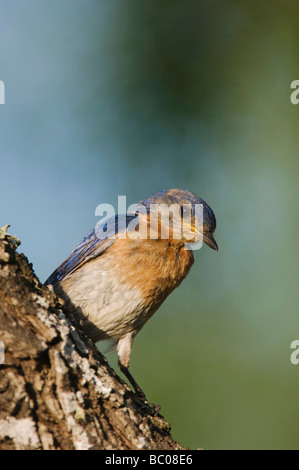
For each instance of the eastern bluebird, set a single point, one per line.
(117, 282)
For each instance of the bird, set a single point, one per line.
(117, 277)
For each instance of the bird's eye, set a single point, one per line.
(186, 210)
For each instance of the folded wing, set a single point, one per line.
(94, 244)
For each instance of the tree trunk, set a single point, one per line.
(56, 390)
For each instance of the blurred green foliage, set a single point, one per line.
(130, 97)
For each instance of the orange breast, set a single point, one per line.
(154, 267)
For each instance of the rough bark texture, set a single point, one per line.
(56, 390)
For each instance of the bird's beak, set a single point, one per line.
(210, 241)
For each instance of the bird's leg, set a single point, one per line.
(124, 347)
(131, 379)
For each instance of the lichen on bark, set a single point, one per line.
(57, 391)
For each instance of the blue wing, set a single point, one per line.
(94, 244)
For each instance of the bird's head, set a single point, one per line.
(185, 214)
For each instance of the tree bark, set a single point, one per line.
(56, 390)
